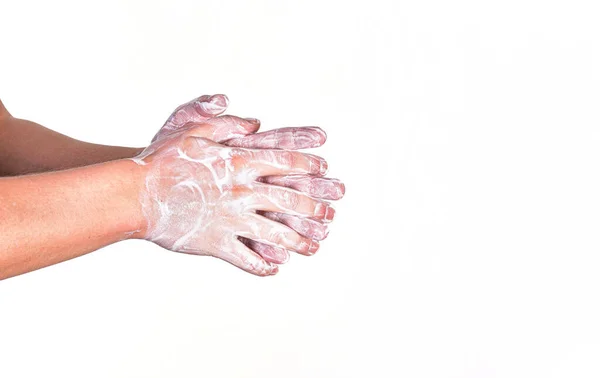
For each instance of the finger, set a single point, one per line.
(270, 253)
(317, 187)
(280, 162)
(248, 260)
(307, 227)
(197, 110)
(289, 201)
(289, 138)
(266, 231)
(222, 128)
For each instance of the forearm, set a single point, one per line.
(52, 217)
(31, 148)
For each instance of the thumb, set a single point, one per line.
(213, 106)
(220, 129)
(196, 111)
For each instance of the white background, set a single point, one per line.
(466, 132)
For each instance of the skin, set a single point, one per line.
(28, 147)
(200, 196)
(197, 111)
(255, 252)
(70, 213)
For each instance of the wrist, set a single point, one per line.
(129, 182)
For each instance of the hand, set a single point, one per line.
(206, 107)
(200, 196)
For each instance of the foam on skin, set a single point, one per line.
(317, 187)
(200, 196)
(198, 110)
(203, 112)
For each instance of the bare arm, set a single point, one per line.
(31, 148)
(52, 217)
(49, 218)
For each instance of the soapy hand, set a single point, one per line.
(226, 130)
(200, 196)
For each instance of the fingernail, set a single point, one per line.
(323, 167)
(329, 214)
(320, 210)
(219, 100)
(274, 270)
(253, 120)
(342, 188)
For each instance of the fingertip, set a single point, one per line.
(252, 120)
(318, 165)
(231, 130)
(324, 211)
(313, 247)
(215, 105)
(318, 137)
(262, 270)
(323, 168)
(329, 189)
(245, 126)
(322, 135)
(274, 269)
(307, 247)
(320, 210)
(329, 214)
(219, 100)
(253, 124)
